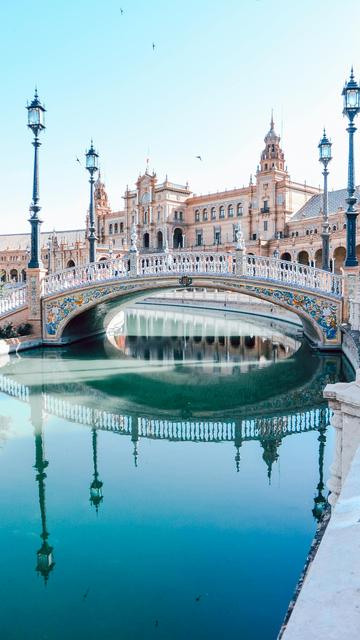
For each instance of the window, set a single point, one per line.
(307, 232)
(254, 236)
(266, 166)
(121, 227)
(158, 214)
(197, 215)
(110, 229)
(181, 215)
(199, 237)
(145, 217)
(230, 211)
(217, 236)
(213, 213)
(175, 215)
(116, 228)
(205, 214)
(265, 225)
(222, 212)
(239, 210)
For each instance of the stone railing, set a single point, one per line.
(86, 274)
(217, 263)
(186, 262)
(292, 273)
(12, 299)
(354, 304)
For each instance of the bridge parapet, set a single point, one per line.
(12, 299)
(197, 263)
(354, 305)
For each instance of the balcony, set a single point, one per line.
(265, 210)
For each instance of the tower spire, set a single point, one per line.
(272, 120)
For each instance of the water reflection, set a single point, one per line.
(161, 412)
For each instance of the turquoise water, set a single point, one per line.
(160, 481)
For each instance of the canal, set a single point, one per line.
(161, 481)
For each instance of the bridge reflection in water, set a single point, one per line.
(298, 409)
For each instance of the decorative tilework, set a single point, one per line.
(324, 312)
(56, 311)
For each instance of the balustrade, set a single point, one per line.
(13, 298)
(354, 304)
(292, 273)
(193, 263)
(81, 276)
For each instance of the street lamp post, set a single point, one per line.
(92, 166)
(351, 93)
(36, 113)
(325, 157)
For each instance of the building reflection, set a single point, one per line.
(150, 335)
(45, 561)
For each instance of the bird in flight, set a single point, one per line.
(199, 157)
(153, 46)
(121, 11)
(77, 160)
(198, 598)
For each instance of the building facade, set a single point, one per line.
(277, 215)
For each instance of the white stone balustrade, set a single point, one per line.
(197, 263)
(292, 273)
(354, 307)
(13, 298)
(79, 276)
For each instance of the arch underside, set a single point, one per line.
(73, 315)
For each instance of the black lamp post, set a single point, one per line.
(92, 166)
(325, 157)
(36, 113)
(351, 93)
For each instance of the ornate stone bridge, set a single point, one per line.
(52, 302)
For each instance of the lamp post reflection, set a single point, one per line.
(320, 501)
(45, 561)
(96, 495)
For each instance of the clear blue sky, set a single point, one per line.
(208, 88)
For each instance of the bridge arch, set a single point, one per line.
(72, 316)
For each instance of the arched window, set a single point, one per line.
(175, 215)
(121, 227)
(213, 213)
(205, 214)
(197, 215)
(110, 229)
(239, 209)
(334, 227)
(181, 215)
(145, 217)
(146, 240)
(222, 212)
(116, 228)
(230, 211)
(70, 264)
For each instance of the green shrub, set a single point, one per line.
(9, 331)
